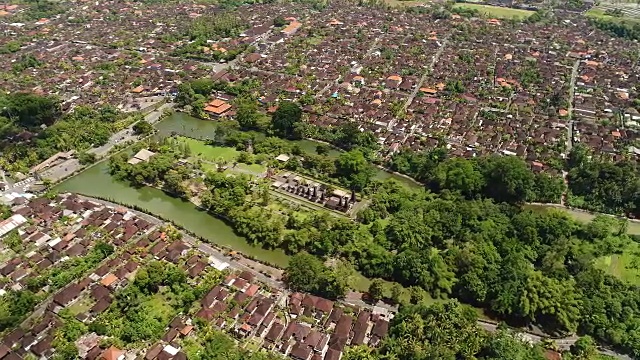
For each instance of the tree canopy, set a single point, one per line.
(284, 119)
(449, 331)
(601, 185)
(306, 273)
(354, 170)
(30, 110)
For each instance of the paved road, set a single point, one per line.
(68, 167)
(434, 60)
(572, 93)
(128, 134)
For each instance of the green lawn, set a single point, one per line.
(81, 306)
(315, 40)
(497, 11)
(361, 284)
(633, 227)
(600, 14)
(208, 152)
(6, 255)
(161, 306)
(253, 168)
(307, 205)
(625, 266)
(405, 3)
(253, 344)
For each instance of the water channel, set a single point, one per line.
(97, 182)
(183, 124)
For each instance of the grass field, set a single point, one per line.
(405, 3)
(600, 14)
(582, 216)
(496, 11)
(208, 152)
(253, 168)
(81, 306)
(161, 306)
(633, 227)
(361, 284)
(625, 266)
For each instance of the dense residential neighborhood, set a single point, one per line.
(56, 232)
(482, 86)
(319, 180)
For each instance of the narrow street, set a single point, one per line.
(572, 93)
(569, 145)
(434, 60)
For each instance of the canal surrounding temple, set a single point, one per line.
(183, 124)
(96, 181)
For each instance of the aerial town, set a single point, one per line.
(482, 85)
(319, 180)
(59, 235)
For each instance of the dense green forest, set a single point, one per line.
(468, 241)
(601, 185)
(628, 30)
(502, 178)
(595, 183)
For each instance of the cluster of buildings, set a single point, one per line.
(478, 85)
(334, 199)
(301, 326)
(53, 231)
(108, 53)
(50, 240)
(481, 86)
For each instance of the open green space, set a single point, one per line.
(406, 3)
(160, 305)
(625, 266)
(189, 127)
(598, 13)
(304, 204)
(496, 11)
(81, 306)
(6, 255)
(215, 154)
(633, 227)
(252, 168)
(207, 152)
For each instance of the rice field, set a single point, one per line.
(496, 11)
